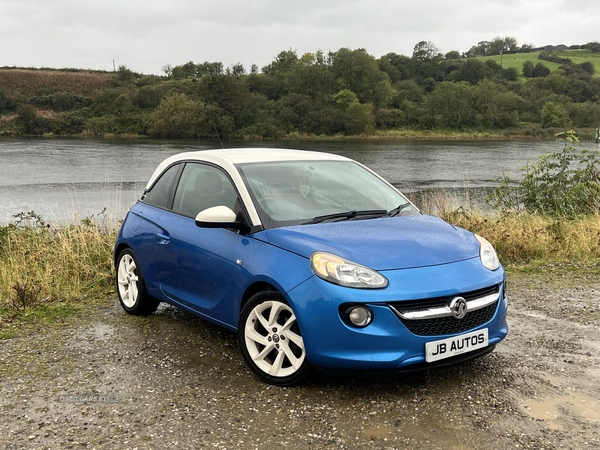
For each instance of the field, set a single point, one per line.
(517, 60)
(48, 82)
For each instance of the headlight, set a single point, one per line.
(345, 273)
(488, 255)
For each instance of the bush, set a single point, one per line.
(564, 183)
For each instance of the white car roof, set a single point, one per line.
(227, 158)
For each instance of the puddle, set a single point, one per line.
(427, 428)
(549, 409)
(569, 400)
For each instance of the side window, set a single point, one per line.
(160, 193)
(201, 187)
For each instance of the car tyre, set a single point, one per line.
(133, 296)
(270, 340)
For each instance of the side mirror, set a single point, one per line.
(217, 217)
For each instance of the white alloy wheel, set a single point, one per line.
(127, 280)
(271, 341)
(131, 287)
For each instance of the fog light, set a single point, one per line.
(359, 316)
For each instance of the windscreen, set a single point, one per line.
(296, 192)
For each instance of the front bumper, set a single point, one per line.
(386, 343)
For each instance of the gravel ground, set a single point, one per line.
(107, 380)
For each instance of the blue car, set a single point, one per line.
(313, 259)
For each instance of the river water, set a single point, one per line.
(64, 180)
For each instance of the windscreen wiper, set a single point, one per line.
(348, 215)
(398, 209)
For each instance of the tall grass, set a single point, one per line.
(521, 239)
(528, 238)
(40, 264)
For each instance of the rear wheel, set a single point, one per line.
(131, 287)
(270, 340)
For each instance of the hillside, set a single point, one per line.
(338, 94)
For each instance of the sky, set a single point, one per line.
(147, 35)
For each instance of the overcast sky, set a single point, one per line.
(146, 35)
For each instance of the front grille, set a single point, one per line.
(446, 325)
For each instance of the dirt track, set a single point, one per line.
(109, 380)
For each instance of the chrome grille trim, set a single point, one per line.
(445, 311)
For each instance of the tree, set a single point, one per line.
(231, 94)
(168, 70)
(426, 51)
(553, 115)
(344, 98)
(497, 106)
(472, 71)
(178, 116)
(125, 75)
(312, 75)
(528, 69)
(450, 105)
(500, 45)
(237, 70)
(207, 69)
(454, 54)
(540, 70)
(357, 71)
(588, 67)
(360, 117)
(397, 67)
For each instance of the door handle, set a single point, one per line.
(164, 239)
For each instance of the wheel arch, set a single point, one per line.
(255, 288)
(118, 249)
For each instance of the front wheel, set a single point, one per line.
(270, 340)
(133, 295)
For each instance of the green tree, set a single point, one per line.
(178, 116)
(397, 67)
(450, 105)
(453, 54)
(540, 70)
(426, 51)
(528, 69)
(553, 115)
(497, 106)
(231, 94)
(360, 117)
(344, 98)
(472, 71)
(358, 71)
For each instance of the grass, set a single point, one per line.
(50, 273)
(517, 60)
(524, 240)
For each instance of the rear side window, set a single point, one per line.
(160, 193)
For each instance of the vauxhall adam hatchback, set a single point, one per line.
(313, 259)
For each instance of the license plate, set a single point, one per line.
(447, 348)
